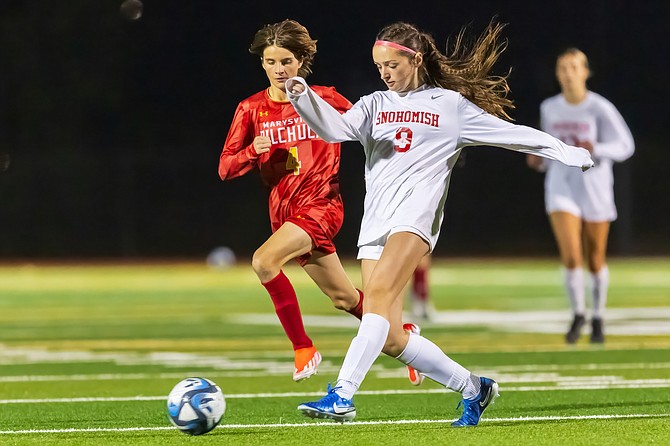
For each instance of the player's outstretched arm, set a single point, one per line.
(322, 117)
(481, 128)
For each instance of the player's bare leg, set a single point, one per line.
(288, 242)
(420, 353)
(415, 377)
(381, 330)
(595, 251)
(327, 272)
(567, 230)
(384, 284)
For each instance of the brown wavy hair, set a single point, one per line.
(466, 68)
(290, 35)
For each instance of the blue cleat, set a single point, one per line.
(332, 407)
(475, 407)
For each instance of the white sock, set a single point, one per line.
(363, 351)
(599, 285)
(429, 359)
(574, 286)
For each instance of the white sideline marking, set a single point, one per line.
(339, 425)
(620, 321)
(512, 373)
(600, 385)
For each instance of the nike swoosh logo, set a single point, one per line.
(339, 411)
(485, 401)
(435, 96)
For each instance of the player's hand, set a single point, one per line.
(535, 162)
(588, 163)
(585, 145)
(294, 87)
(262, 144)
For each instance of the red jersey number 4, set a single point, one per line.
(403, 139)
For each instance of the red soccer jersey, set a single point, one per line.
(301, 169)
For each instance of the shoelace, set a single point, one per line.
(467, 410)
(332, 397)
(331, 389)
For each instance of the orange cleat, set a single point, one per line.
(415, 377)
(306, 361)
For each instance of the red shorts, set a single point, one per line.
(321, 220)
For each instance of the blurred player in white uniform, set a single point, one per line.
(581, 206)
(412, 134)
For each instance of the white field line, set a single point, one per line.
(604, 385)
(531, 372)
(196, 276)
(620, 321)
(351, 423)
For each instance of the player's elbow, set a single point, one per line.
(630, 149)
(627, 150)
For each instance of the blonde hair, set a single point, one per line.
(465, 69)
(579, 54)
(290, 35)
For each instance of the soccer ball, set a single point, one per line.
(196, 405)
(221, 258)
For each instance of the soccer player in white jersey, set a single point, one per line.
(412, 134)
(581, 206)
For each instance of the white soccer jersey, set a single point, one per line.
(589, 195)
(412, 142)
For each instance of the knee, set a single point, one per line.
(572, 262)
(340, 304)
(263, 265)
(596, 263)
(343, 301)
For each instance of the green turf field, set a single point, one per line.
(88, 355)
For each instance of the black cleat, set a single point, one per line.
(597, 335)
(575, 329)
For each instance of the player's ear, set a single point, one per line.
(417, 59)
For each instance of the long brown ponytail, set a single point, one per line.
(466, 68)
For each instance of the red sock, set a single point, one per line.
(288, 310)
(420, 285)
(358, 309)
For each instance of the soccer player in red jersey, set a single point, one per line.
(301, 171)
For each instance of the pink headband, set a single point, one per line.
(397, 46)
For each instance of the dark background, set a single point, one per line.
(115, 127)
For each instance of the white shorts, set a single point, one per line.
(373, 250)
(579, 206)
(587, 197)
